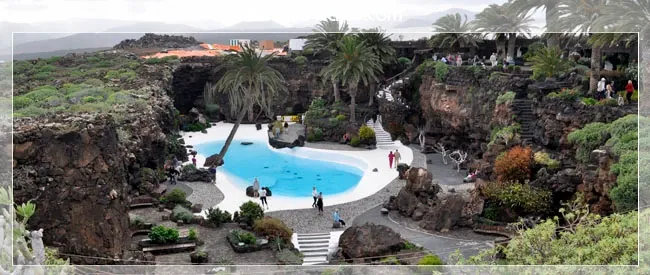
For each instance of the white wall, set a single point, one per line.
(297, 44)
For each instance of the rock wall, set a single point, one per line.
(69, 166)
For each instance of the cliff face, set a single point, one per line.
(68, 166)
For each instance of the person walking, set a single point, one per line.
(314, 193)
(397, 157)
(390, 159)
(337, 218)
(629, 91)
(213, 173)
(609, 92)
(319, 203)
(256, 187)
(600, 89)
(263, 198)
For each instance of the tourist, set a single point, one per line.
(286, 124)
(263, 198)
(443, 60)
(459, 61)
(610, 91)
(314, 193)
(629, 90)
(175, 162)
(173, 173)
(435, 57)
(194, 160)
(390, 159)
(256, 187)
(337, 218)
(213, 172)
(493, 59)
(397, 157)
(600, 90)
(319, 203)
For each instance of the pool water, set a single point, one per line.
(284, 174)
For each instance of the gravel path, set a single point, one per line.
(179, 185)
(204, 193)
(308, 220)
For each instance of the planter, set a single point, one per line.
(200, 257)
(240, 247)
(147, 242)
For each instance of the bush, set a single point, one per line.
(316, 109)
(532, 49)
(274, 228)
(506, 98)
(245, 237)
(442, 69)
(192, 235)
(163, 235)
(588, 138)
(182, 213)
(355, 141)
(41, 93)
(300, 60)
(430, 260)
(153, 60)
(426, 66)
(517, 195)
(506, 133)
(589, 101)
(608, 102)
(176, 196)
(235, 216)
(218, 217)
(625, 193)
(366, 134)
(22, 102)
(409, 245)
(211, 110)
(405, 62)
(249, 212)
(565, 94)
(341, 118)
(544, 159)
(318, 134)
(188, 168)
(514, 165)
(547, 62)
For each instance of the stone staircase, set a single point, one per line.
(523, 108)
(383, 137)
(386, 92)
(316, 247)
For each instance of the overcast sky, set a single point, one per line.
(297, 13)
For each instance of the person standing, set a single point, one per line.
(397, 157)
(493, 60)
(319, 203)
(609, 92)
(600, 89)
(459, 61)
(194, 160)
(390, 159)
(444, 60)
(314, 193)
(213, 173)
(337, 218)
(629, 90)
(256, 187)
(263, 198)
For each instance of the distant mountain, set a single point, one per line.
(254, 26)
(154, 27)
(28, 56)
(75, 41)
(427, 20)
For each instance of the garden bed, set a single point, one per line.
(240, 246)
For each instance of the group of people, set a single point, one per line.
(606, 91)
(394, 156)
(456, 60)
(261, 193)
(173, 169)
(318, 203)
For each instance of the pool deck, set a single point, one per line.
(366, 160)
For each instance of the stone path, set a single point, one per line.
(203, 193)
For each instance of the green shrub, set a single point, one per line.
(533, 48)
(212, 110)
(366, 134)
(341, 118)
(404, 61)
(244, 237)
(182, 213)
(310, 137)
(442, 69)
(235, 216)
(300, 60)
(93, 82)
(163, 235)
(122, 74)
(391, 260)
(506, 98)
(22, 102)
(506, 133)
(355, 141)
(273, 228)
(588, 138)
(30, 111)
(218, 217)
(249, 212)
(409, 245)
(547, 62)
(317, 109)
(188, 168)
(426, 66)
(491, 213)
(608, 102)
(288, 257)
(517, 195)
(153, 60)
(625, 193)
(544, 159)
(318, 134)
(192, 235)
(92, 99)
(589, 101)
(41, 93)
(565, 94)
(176, 196)
(430, 260)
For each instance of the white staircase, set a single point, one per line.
(386, 92)
(383, 137)
(316, 247)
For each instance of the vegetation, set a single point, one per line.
(518, 196)
(325, 40)
(163, 235)
(547, 62)
(288, 257)
(506, 98)
(441, 71)
(452, 32)
(175, 196)
(355, 141)
(588, 138)
(514, 165)
(366, 135)
(273, 228)
(544, 159)
(506, 133)
(379, 44)
(244, 237)
(218, 217)
(499, 19)
(249, 212)
(248, 81)
(192, 235)
(300, 60)
(430, 260)
(182, 213)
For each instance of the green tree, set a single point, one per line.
(379, 43)
(523, 7)
(327, 34)
(501, 19)
(547, 62)
(452, 32)
(249, 80)
(355, 63)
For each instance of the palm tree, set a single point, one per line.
(325, 39)
(500, 19)
(249, 80)
(355, 63)
(523, 7)
(625, 16)
(379, 44)
(452, 32)
(547, 62)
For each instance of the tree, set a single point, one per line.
(353, 64)
(547, 62)
(249, 80)
(582, 239)
(379, 44)
(523, 7)
(325, 39)
(500, 19)
(452, 32)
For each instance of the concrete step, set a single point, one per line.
(315, 259)
(312, 234)
(313, 241)
(315, 253)
(314, 249)
(314, 238)
(314, 245)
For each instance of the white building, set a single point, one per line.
(237, 42)
(297, 44)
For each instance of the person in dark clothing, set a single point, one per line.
(319, 203)
(172, 173)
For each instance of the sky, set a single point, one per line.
(290, 13)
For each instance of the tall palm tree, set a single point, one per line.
(355, 63)
(501, 19)
(523, 7)
(379, 44)
(249, 80)
(625, 16)
(452, 32)
(325, 39)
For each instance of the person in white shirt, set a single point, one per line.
(600, 89)
(314, 193)
(493, 59)
(263, 198)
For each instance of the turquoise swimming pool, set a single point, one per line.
(284, 174)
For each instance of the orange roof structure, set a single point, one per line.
(185, 53)
(221, 47)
